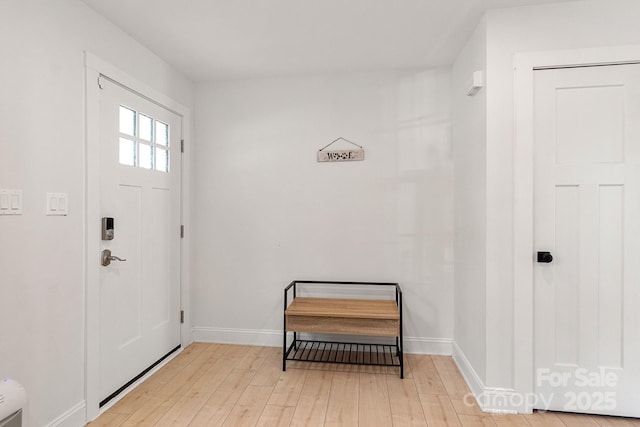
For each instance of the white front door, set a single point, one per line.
(587, 215)
(140, 191)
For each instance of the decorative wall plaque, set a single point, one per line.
(325, 155)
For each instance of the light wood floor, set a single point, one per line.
(227, 385)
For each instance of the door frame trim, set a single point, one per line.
(94, 67)
(524, 66)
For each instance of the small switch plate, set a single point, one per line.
(10, 202)
(57, 204)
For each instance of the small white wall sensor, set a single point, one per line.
(477, 82)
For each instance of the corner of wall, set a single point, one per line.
(469, 374)
(493, 400)
(469, 153)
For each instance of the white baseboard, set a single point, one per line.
(74, 417)
(490, 399)
(261, 337)
(422, 345)
(500, 400)
(273, 338)
(468, 373)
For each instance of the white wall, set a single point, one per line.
(42, 150)
(265, 212)
(470, 187)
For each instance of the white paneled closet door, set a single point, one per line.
(587, 216)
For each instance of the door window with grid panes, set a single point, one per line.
(144, 141)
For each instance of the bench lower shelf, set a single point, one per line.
(343, 353)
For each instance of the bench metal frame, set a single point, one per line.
(341, 352)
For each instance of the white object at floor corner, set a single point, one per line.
(13, 397)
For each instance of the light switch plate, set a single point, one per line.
(10, 202)
(57, 204)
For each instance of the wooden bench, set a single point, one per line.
(345, 316)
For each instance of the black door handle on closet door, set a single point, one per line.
(545, 257)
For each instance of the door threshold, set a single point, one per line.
(133, 383)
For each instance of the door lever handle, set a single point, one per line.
(107, 257)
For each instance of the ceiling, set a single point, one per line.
(229, 39)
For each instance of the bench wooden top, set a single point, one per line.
(348, 308)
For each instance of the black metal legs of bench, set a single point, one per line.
(400, 351)
(400, 339)
(284, 325)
